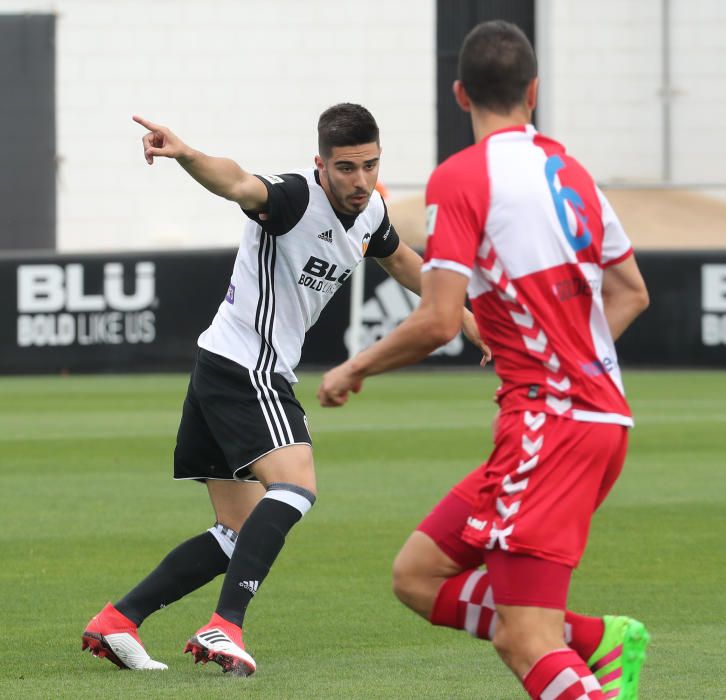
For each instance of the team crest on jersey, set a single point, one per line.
(431, 211)
(366, 241)
(230, 294)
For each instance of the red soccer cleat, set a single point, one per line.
(113, 636)
(221, 641)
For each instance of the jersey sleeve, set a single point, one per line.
(616, 245)
(384, 241)
(287, 199)
(456, 207)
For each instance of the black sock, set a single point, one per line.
(186, 568)
(260, 541)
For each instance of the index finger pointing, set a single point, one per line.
(146, 123)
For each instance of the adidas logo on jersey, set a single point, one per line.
(326, 236)
(251, 586)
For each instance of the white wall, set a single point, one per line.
(241, 78)
(248, 79)
(698, 38)
(601, 86)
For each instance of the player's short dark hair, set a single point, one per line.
(496, 64)
(345, 124)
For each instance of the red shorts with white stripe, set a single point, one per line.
(519, 579)
(446, 522)
(535, 495)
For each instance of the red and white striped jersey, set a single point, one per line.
(530, 229)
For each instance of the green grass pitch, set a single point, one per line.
(88, 507)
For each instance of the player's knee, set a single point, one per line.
(507, 643)
(512, 640)
(501, 640)
(292, 465)
(230, 519)
(520, 644)
(413, 587)
(225, 535)
(312, 489)
(403, 579)
(298, 497)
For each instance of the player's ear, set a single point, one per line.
(319, 164)
(532, 94)
(462, 99)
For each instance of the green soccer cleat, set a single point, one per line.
(617, 661)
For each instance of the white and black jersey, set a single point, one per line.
(287, 269)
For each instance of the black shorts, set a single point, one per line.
(232, 416)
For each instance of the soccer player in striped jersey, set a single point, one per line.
(242, 430)
(520, 225)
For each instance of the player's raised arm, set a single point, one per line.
(222, 176)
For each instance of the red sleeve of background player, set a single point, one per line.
(616, 245)
(457, 200)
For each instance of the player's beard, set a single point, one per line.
(345, 205)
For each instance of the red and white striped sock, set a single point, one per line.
(466, 602)
(562, 675)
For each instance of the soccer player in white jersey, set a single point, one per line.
(242, 430)
(520, 224)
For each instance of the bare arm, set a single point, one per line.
(221, 176)
(404, 265)
(434, 323)
(624, 295)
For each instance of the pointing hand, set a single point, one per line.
(160, 141)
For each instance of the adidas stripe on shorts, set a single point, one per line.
(231, 417)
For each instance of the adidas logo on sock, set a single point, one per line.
(326, 236)
(251, 586)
